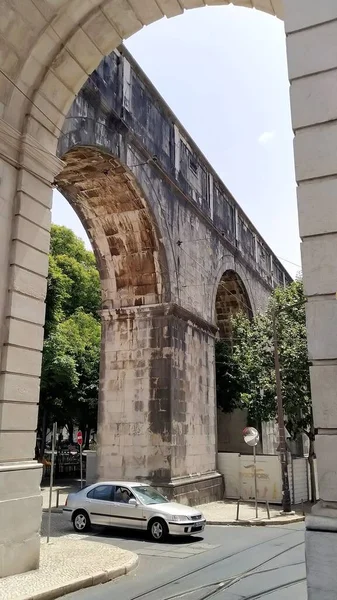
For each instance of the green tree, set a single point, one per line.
(70, 372)
(252, 364)
(70, 364)
(73, 279)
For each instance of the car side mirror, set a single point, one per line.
(133, 502)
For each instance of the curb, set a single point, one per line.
(85, 582)
(262, 523)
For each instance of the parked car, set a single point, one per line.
(133, 505)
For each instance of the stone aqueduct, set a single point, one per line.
(48, 50)
(176, 255)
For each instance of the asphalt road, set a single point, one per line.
(227, 563)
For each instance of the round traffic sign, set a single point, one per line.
(79, 438)
(251, 436)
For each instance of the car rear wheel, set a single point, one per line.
(81, 521)
(158, 530)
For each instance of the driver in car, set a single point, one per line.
(126, 496)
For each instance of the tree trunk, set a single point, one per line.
(70, 427)
(87, 437)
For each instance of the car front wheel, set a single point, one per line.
(81, 521)
(158, 530)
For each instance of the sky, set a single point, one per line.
(223, 72)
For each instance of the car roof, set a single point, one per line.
(125, 483)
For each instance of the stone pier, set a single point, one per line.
(157, 409)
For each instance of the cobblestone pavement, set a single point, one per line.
(68, 563)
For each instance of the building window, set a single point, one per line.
(193, 165)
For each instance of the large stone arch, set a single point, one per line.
(50, 48)
(136, 287)
(127, 244)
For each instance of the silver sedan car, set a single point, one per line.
(133, 505)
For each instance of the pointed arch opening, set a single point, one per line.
(231, 298)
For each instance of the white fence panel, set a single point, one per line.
(229, 467)
(238, 472)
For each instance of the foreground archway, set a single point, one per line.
(63, 42)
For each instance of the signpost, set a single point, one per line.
(80, 443)
(251, 437)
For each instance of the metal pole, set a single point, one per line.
(255, 482)
(81, 466)
(51, 477)
(237, 509)
(286, 500)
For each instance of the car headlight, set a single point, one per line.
(179, 518)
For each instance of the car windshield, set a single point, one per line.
(148, 495)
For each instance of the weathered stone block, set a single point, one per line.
(11, 450)
(326, 450)
(303, 14)
(19, 388)
(29, 258)
(27, 283)
(316, 206)
(25, 308)
(312, 50)
(324, 386)
(315, 154)
(321, 326)
(22, 361)
(31, 234)
(15, 417)
(321, 561)
(319, 264)
(312, 99)
(29, 335)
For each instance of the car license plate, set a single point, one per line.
(197, 527)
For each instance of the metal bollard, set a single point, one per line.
(237, 510)
(267, 507)
(57, 498)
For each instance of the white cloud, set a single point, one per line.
(266, 137)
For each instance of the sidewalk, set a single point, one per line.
(68, 563)
(224, 513)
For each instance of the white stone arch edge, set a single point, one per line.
(72, 44)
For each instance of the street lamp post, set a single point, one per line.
(286, 499)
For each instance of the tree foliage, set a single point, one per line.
(245, 367)
(70, 363)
